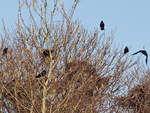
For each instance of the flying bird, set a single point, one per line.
(5, 50)
(144, 52)
(102, 25)
(43, 73)
(126, 50)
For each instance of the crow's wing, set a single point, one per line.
(146, 59)
(143, 52)
(136, 53)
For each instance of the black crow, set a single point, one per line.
(5, 51)
(43, 73)
(46, 52)
(144, 52)
(102, 25)
(126, 50)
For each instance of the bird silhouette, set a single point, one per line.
(46, 52)
(43, 73)
(126, 50)
(144, 52)
(5, 50)
(102, 25)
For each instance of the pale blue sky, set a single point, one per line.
(129, 19)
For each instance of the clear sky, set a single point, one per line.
(128, 19)
(8, 12)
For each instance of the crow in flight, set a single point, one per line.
(102, 25)
(144, 52)
(43, 73)
(126, 50)
(5, 51)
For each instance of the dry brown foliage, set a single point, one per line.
(137, 98)
(82, 72)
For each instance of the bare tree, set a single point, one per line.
(80, 72)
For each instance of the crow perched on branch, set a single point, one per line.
(126, 50)
(5, 50)
(102, 25)
(46, 52)
(144, 52)
(43, 73)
